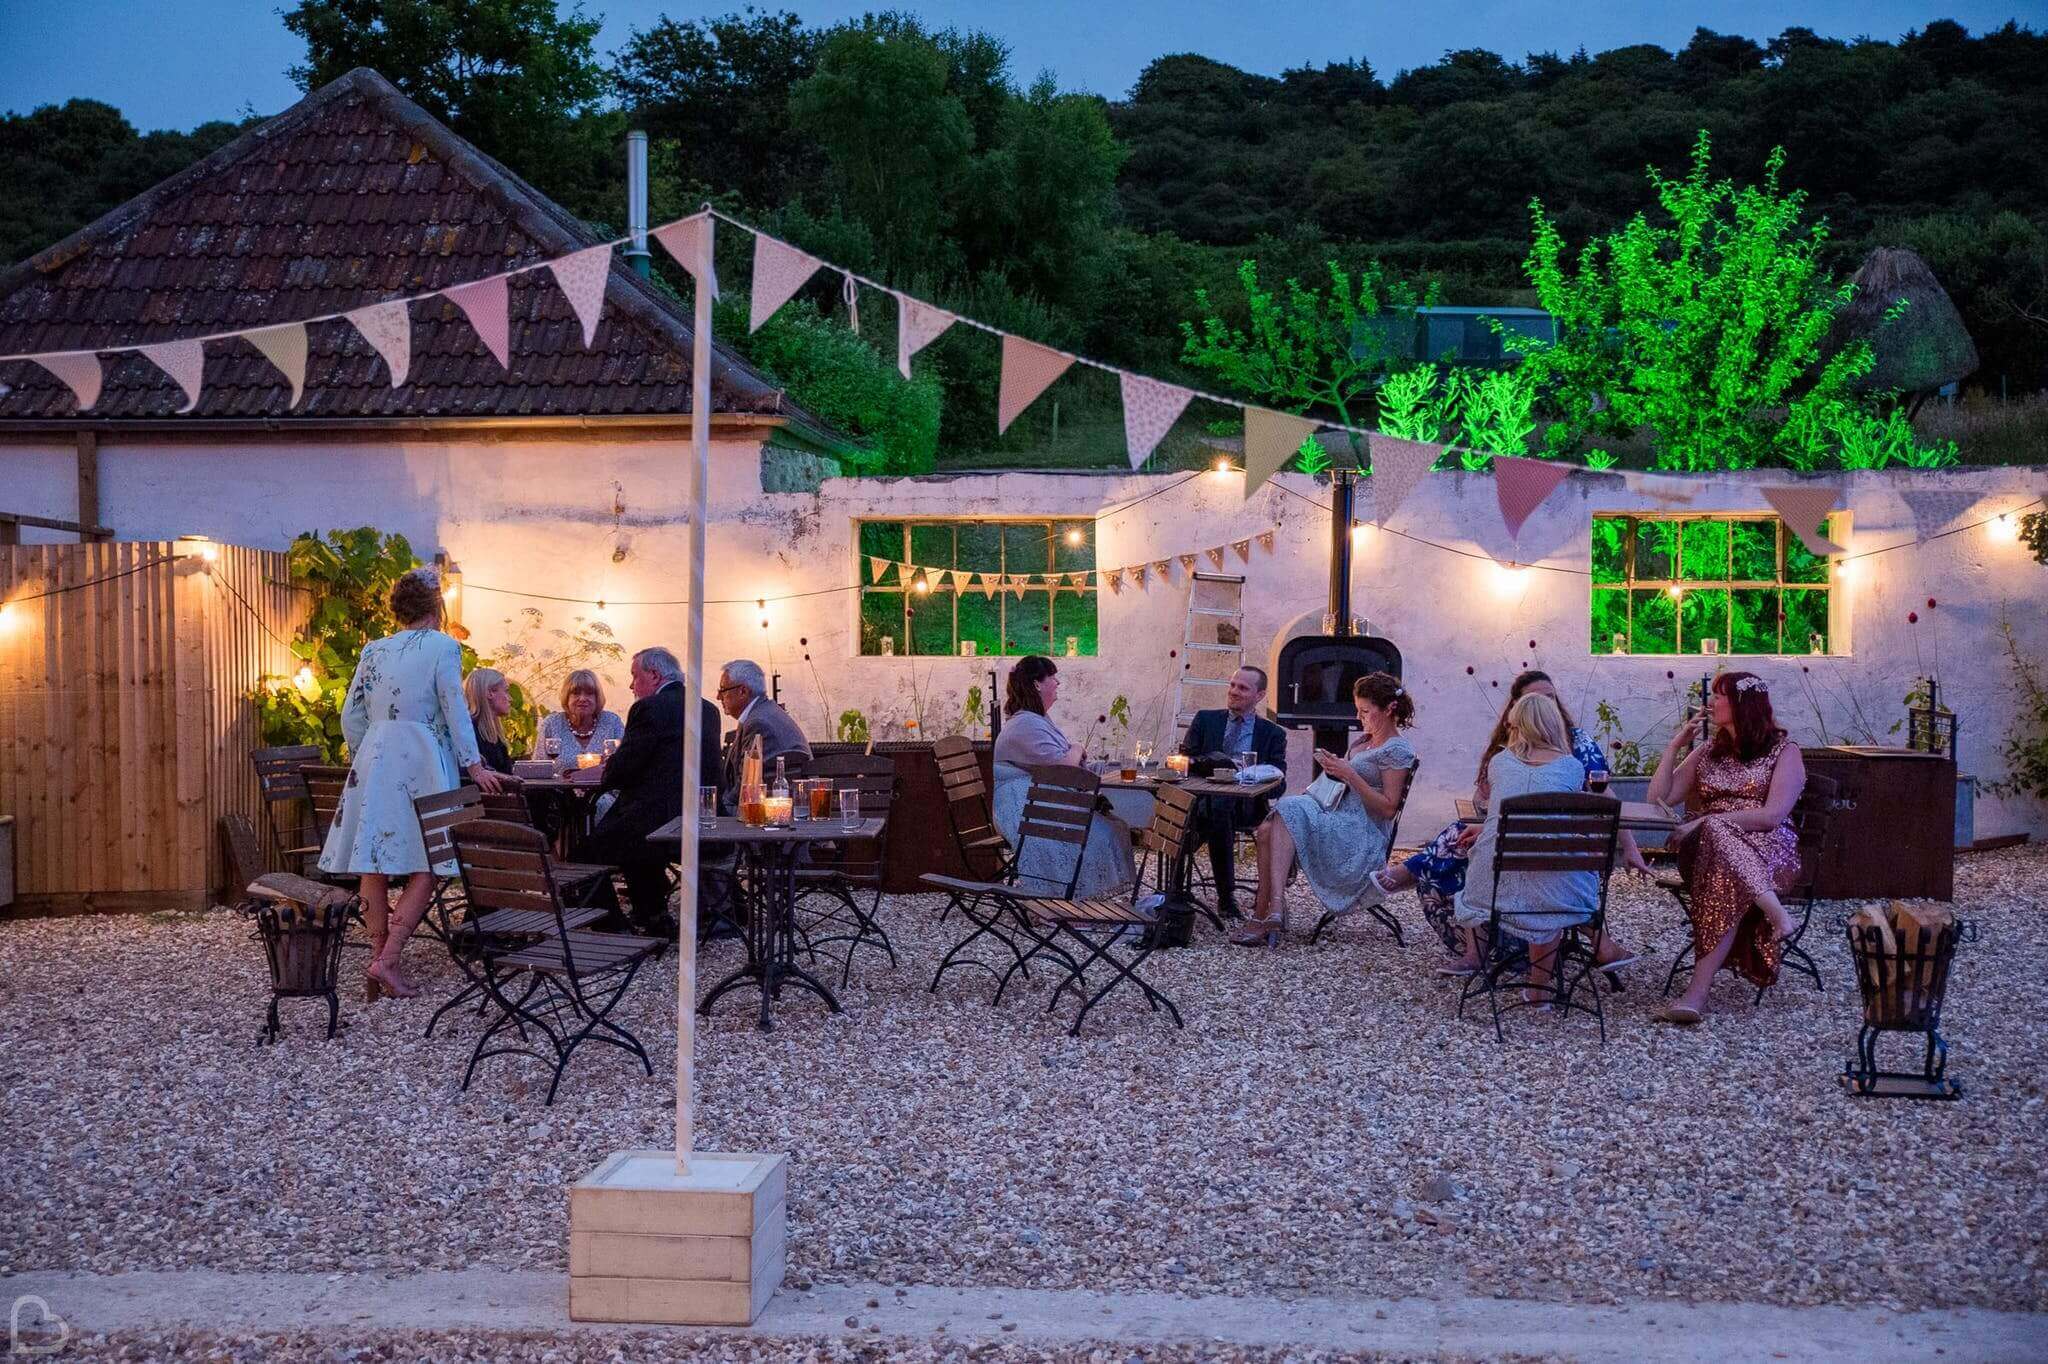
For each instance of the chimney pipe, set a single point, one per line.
(636, 203)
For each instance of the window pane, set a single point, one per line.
(1654, 625)
(1074, 617)
(1704, 552)
(1656, 549)
(1703, 614)
(1754, 548)
(931, 624)
(981, 620)
(1027, 627)
(979, 547)
(1754, 627)
(881, 613)
(1027, 548)
(1073, 545)
(1806, 615)
(1610, 618)
(1609, 534)
(931, 544)
(1800, 566)
(879, 539)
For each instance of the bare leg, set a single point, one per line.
(376, 893)
(1276, 860)
(1471, 959)
(1704, 969)
(1774, 911)
(1395, 877)
(405, 917)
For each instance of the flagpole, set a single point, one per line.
(693, 705)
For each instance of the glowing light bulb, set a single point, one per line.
(1508, 579)
(303, 679)
(6, 616)
(1074, 536)
(920, 584)
(1848, 570)
(1222, 465)
(1675, 591)
(2002, 529)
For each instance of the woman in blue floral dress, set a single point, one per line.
(1438, 871)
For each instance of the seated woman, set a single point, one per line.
(1030, 739)
(1535, 907)
(582, 724)
(1438, 871)
(490, 699)
(1739, 852)
(1339, 844)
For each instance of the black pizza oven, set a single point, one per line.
(1313, 674)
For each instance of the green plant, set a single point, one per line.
(1624, 751)
(2034, 535)
(541, 658)
(1412, 407)
(973, 713)
(853, 727)
(1600, 459)
(1312, 458)
(1494, 415)
(2026, 747)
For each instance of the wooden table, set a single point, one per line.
(1640, 816)
(579, 803)
(771, 856)
(1179, 877)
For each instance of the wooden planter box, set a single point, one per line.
(920, 839)
(1894, 834)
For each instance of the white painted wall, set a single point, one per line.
(538, 518)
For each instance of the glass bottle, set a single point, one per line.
(780, 786)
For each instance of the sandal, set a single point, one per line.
(1679, 1016)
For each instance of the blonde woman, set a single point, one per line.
(582, 725)
(490, 701)
(1534, 907)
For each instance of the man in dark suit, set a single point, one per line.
(647, 774)
(1237, 728)
(742, 691)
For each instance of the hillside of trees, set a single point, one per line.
(921, 157)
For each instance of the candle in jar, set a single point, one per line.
(780, 811)
(588, 759)
(1177, 763)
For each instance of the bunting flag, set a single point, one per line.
(918, 324)
(1215, 557)
(1187, 564)
(988, 586)
(779, 271)
(1138, 574)
(1028, 370)
(484, 303)
(582, 276)
(184, 361)
(1266, 541)
(1115, 578)
(1150, 410)
(1159, 571)
(1522, 485)
(685, 240)
(80, 373)
(1397, 466)
(1270, 440)
(284, 347)
(877, 566)
(1802, 507)
(1663, 488)
(1018, 582)
(388, 329)
(1244, 550)
(1934, 508)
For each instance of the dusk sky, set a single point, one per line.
(176, 63)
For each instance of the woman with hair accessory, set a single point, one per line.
(1739, 852)
(1339, 829)
(409, 734)
(1031, 739)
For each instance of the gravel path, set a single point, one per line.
(1324, 1124)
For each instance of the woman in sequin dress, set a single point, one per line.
(1739, 852)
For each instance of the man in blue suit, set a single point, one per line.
(1237, 728)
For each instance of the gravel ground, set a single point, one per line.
(1323, 1124)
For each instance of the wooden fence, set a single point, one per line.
(125, 719)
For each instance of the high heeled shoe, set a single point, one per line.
(1257, 933)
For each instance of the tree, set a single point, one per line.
(1705, 327)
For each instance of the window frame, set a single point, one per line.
(1056, 527)
(1830, 585)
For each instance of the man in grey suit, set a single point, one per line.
(742, 692)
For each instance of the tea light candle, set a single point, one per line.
(1177, 763)
(781, 812)
(588, 759)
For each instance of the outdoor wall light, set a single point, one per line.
(1074, 536)
(196, 547)
(1222, 464)
(7, 614)
(2002, 529)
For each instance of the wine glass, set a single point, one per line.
(552, 746)
(611, 746)
(1142, 750)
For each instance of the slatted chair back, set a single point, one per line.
(244, 854)
(1561, 831)
(1173, 811)
(874, 779)
(324, 785)
(1407, 790)
(983, 849)
(1813, 820)
(286, 814)
(508, 804)
(506, 866)
(1059, 809)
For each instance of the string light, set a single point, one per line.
(1675, 591)
(6, 616)
(303, 679)
(2002, 529)
(1509, 579)
(1074, 535)
(920, 584)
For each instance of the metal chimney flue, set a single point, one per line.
(636, 203)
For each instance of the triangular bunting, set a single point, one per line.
(1397, 466)
(1934, 508)
(1187, 564)
(1270, 440)
(582, 275)
(80, 373)
(484, 303)
(687, 240)
(1521, 485)
(388, 329)
(1159, 570)
(779, 271)
(918, 324)
(877, 566)
(1244, 550)
(988, 586)
(285, 347)
(1215, 556)
(1662, 488)
(1138, 574)
(1018, 582)
(1150, 410)
(1802, 507)
(1028, 370)
(184, 361)
(1115, 578)
(1266, 541)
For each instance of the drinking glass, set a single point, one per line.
(1243, 759)
(849, 809)
(1596, 782)
(552, 746)
(1143, 750)
(707, 807)
(611, 746)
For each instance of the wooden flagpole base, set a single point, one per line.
(647, 1244)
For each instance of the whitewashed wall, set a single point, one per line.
(538, 517)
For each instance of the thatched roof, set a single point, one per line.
(1918, 352)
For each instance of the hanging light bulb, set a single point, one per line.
(1074, 535)
(2002, 528)
(1508, 578)
(1222, 465)
(920, 584)
(303, 679)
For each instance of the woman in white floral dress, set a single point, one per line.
(409, 735)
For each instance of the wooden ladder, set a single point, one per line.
(1212, 645)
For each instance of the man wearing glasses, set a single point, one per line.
(742, 693)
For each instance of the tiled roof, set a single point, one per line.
(353, 195)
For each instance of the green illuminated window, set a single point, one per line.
(1689, 584)
(1041, 618)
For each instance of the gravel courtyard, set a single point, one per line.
(1324, 1124)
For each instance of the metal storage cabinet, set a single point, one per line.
(1894, 833)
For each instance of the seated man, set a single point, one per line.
(742, 691)
(1235, 729)
(647, 774)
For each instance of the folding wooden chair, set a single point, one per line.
(563, 985)
(841, 874)
(1813, 820)
(1549, 834)
(1098, 926)
(324, 784)
(287, 814)
(984, 852)
(1378, 909)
